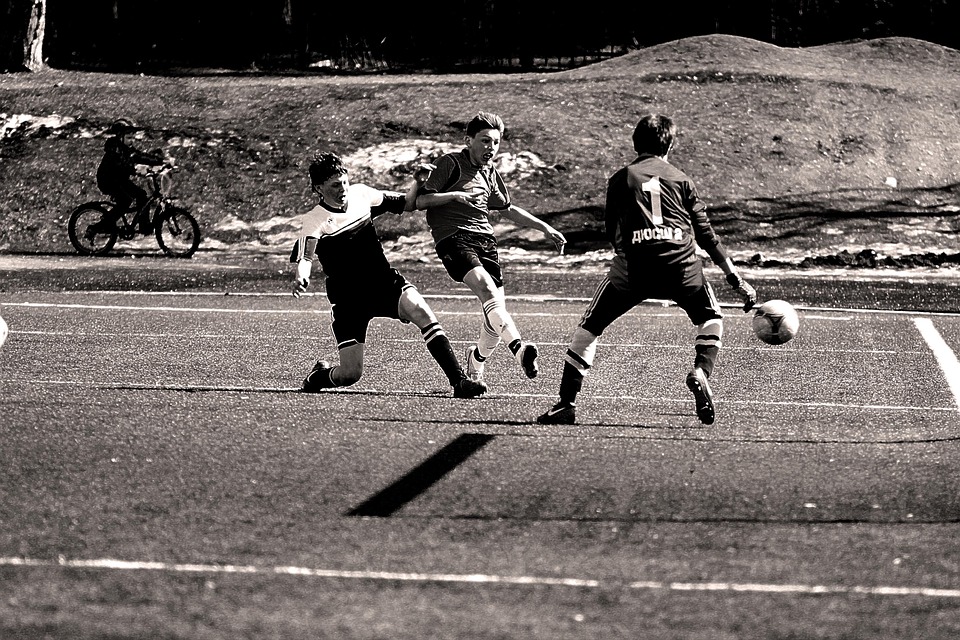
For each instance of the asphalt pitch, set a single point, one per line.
(162, 477)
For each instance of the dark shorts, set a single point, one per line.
(466, 250)
(355, 306)
(689, 290)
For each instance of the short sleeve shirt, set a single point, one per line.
(348, 246)
(455, 172)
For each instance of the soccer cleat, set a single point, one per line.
(560, 413)
(318, 379)
(468, 388)
(474, 368)
(527, 356)
(698, 385)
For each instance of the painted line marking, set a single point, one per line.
(648, 304)
(112, 307)
(563, 345)
(355, 390)
(479, 578)
(943, 353)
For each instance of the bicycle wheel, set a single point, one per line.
(93, 231)
(178, 233)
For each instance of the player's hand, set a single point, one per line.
(422, 174)
(743, 289)
(467, 197)
(558, 240)
(300, 287)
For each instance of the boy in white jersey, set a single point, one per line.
(655, 220)
(458, 196)
(360, 283)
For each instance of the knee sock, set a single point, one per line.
(577, 364)
(707, 345)
(487, 341)
(439, 347)
(495, 312)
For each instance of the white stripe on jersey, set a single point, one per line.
(321, 221)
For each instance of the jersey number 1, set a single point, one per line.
(652, 186)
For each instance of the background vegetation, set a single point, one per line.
(815, 149)
(447, 35)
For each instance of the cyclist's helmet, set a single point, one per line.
(121, 126)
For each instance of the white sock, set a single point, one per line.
(500, 320)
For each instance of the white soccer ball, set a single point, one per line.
(776, 322)
(4, 331)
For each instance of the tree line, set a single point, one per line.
(439, 35)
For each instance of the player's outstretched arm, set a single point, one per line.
(746, 292)
(524, 218)
(429, 200)
(420, 177)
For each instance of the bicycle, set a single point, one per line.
(95, 226)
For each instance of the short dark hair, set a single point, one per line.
(483, 121)
(121, 126)
(654, 134)
(324, 166)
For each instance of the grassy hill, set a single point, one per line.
(800, 152)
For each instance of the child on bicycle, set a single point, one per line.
(118, 165)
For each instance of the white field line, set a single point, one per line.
(478, 578)
(627, 345)
(944, 355)
(416, 394)
(654, 303)
(325, 310)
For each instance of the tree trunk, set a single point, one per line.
(22, 35)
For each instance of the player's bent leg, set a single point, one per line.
(414, 308)
(500, 321)
(348, 372)
(477, 354)
(350, 369)
(327, 376)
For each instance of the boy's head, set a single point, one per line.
(484, 120)
(483, 137)
(654, 134)
(121, 126)
(328, 179)
(324, 166)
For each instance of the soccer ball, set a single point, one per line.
(4, 331)
(776, 322)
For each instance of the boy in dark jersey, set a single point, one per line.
(118, 164)
(655, 220)
(360, 282)
(458, 196)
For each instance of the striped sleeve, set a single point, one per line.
(305, 248)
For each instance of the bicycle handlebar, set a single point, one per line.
(158, 169)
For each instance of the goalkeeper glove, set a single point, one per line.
(743, 289)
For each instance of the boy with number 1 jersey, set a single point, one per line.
(655, 220)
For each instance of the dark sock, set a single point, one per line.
(439, 347)
(706, 358)
(570, 383)
(323, 380)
